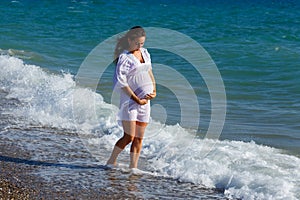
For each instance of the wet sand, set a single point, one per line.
(20, 179)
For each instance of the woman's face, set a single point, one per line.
(136, 43)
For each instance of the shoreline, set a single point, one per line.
(17, 180)
(20, 179)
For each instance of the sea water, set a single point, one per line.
(255, 46)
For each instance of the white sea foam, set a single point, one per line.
(242, 170)
(49, 98)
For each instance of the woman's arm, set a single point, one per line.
(133, 96)
(153, 94)
(153, 80)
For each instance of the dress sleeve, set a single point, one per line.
(121, 72)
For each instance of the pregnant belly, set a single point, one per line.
(141, 84)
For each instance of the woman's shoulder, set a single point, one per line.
(124, 53)
(146, 53)
(124, 56)
(144, 50)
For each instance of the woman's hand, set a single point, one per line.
(151, 95)
(142, 101)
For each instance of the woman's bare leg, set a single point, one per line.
(129, 132)
(136, 145)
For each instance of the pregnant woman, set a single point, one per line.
(134, 80)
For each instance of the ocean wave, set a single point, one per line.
(25, 55)
(241, 170)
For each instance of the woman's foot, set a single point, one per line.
(111, 163)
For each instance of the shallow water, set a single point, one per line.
(41, 121)
(255, 46)
(61, 159)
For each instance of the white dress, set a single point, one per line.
(131, 72)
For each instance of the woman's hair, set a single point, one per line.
(122, 43)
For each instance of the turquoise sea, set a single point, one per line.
(255, 46)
